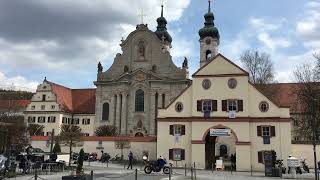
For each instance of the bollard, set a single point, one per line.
(194, 167)
(191, 173)
(107, 163)
(212, 167)
(170, 171)
(185, 169)
(35, 174)
(251, 170)
(136, 174)
(91, 174)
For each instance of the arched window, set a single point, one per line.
(208, 55)
(141, 49)
(139, 101)
(223, 150)
(126, 69)
(105, 112)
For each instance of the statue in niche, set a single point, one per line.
(141, 50)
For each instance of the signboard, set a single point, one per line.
(232, 114)
(220, 132)
(267, 156)
(293, 162)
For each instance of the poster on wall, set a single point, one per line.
(220, 132)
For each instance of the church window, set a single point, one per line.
(232, 83)
(264, 106)
(206, 84)
(126, 69)
(33, 107)
(141, 49)
(43, 107)
(53, 106)
(208, 55)
(139, 101)
(138, 134)
(154, 68)
(105, 112)
(43, 97)
(163, 100)
(179, 107)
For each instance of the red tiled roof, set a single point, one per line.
(285, 96)
(79, 101)
(14, 104)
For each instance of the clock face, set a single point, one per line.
(208, 41)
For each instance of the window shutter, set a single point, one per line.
(183, 130)
(259, 131)
(170, 154)
(273, 131)
(214, 105)
(199, 105)
(224, 105)
(260, 156)
(240, 105)
(182, 154)
(171, 130)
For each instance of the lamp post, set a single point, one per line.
(314, 130)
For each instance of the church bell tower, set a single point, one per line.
(209, 38)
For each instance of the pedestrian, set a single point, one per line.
(130, 157)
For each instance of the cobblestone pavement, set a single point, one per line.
(119, 172)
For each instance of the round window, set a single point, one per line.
(179, 106)
(206, 84)
(264, 106)
(232, 83)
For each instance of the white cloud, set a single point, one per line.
(273, 43)
(17, 83)
(308, 27)
(261, 24)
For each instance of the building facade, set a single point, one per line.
(53, 105)
(141, 79)
(221, 98)
(221, 114)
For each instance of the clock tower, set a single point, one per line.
(209, 38)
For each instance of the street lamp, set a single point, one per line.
(314, 130)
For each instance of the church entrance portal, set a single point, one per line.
(219, 147)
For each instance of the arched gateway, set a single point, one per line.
(220, 143)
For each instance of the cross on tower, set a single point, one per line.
(141, 16)
(209, 1)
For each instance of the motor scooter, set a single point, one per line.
(304, 165)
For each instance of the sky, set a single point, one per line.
(64, 40)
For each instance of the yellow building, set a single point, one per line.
(221, 114)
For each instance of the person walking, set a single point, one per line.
(130, 157)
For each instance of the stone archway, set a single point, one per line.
(215, 145)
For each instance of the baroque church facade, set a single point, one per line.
(141, 79)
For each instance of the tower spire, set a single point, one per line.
(209, 8)
(162, 10)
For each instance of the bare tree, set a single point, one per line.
(106, 130)
(259, 65)
(70, 135)
(308, 94)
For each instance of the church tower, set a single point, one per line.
(209, 38)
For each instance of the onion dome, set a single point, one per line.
(161, 31)
(209, 30)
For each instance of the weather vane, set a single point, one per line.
(141, 16)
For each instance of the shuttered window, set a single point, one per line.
(208, 105)
(266, 131)
(176, 154)
(232, 105)
(177, 129)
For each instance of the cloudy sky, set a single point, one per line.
(64, 39)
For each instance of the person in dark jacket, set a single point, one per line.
(130, 157)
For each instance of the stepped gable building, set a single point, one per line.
(54, 104)
(141, 79)
(222, 114)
